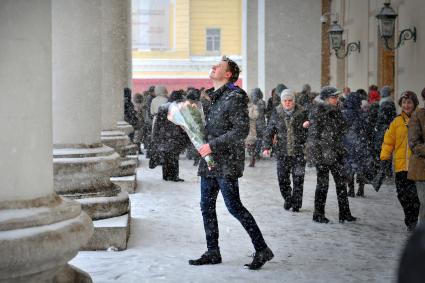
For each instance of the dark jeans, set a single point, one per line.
(230, 191)
(323, 186)
(295, 166)
(170, 166)
(408, 197)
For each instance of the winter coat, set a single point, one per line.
(253, 114)
(166, 136)
(272, 103)
(147, 110)
(417, 144)
(386, 114)
(260, 122)
(227, 126)
(325, 135)
(304, 100)
(358, 158)
(395, 141)
(129, 112)
(277, 126)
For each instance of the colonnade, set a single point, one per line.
(63, 68)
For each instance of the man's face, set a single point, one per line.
(288, 104)
(219, 72)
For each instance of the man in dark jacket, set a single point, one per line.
(227, 126)
(147, 129)
(169, 140)
(289, 124)
(325, 145)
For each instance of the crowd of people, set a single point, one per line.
(357, 136)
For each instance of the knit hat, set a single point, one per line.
(328, 91)
(280, 88)
(409, 95)
(385, 91)
(287, 94)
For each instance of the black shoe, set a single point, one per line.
(320, 218)
(411, 227)
(351, 193)
(347, 217)
(260, 258)
(287, 205)
(176, 180)
(295, 209)
(209, 257)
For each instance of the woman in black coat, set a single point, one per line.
(358, 159)
(169, 140)
(326, 149)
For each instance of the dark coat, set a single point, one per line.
(386, 114)
(358, 158)
(277, 126)
(260, 122)
(166, 136)
(325, 135)
(272, 103)
(227, 126)
(129, 112)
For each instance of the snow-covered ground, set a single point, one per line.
(167, 230)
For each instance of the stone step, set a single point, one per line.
(127, 183)
(110, 234)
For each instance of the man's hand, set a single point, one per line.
(204, 150)
(266, 153)
(306, 124)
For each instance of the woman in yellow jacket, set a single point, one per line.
(396, 142)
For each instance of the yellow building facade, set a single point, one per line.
(176, 41)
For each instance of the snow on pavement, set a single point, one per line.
(167, 230)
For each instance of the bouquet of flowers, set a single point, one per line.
(190, 116)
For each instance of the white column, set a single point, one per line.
(82, 165)
(39, 232)
(114, 66)
(116, 41)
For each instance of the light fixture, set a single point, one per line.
(335, 37)
(386, 26)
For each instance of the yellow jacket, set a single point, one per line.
(395, 140)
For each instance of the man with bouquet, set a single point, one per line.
(227, 126)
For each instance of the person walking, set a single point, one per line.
(251, 139)
(327, 152)
(358, 157)
(396, 142)
(227, 125)
(416, 170)
(289, 124)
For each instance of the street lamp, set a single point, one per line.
(386, 26)
(335, 37)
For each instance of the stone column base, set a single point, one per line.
(110, 234)
(83, 174)
(126, 183)
(38, 237)
(125, 127)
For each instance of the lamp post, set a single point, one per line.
(386, 27)
(335, 36)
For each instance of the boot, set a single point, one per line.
(320, 218)
(360, 191)
(347, 217)
(209, 257)
(260, 258)
(350, 192)
(252, 162)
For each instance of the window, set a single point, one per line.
(213, 40)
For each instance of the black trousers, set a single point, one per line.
(323, 186)
(295, 166)
(408, 197)
(170, 166)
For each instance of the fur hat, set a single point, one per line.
(328, 91)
